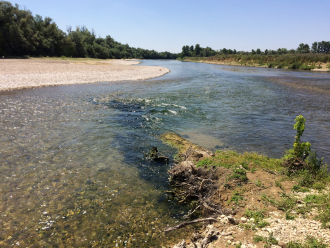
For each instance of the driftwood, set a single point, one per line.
(270, 172)
(187, 223)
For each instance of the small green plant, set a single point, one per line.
(270, 240)
(311, 242)
(278, 184)
(288, 216)
(253, 170)
(258, 216)
(239, 175)
(257, 239)
(258, 183)
(299, 150)
(238, 245)
(236, 197)
(296, 188)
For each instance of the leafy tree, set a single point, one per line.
(197, 49)
(191, 48)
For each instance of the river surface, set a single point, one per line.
(72, 166)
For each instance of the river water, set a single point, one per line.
(72, 165)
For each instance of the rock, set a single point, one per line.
(181, 244)
(243, 220)
(229, 242)
(251, 220)
(232, 220)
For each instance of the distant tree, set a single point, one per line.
(303, 48)
(266, 51)
(197, 49)
(253, 51)
(258, 51)
(191, 48)
(234, 52)
(315, 47)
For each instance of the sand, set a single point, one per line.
(27, 73)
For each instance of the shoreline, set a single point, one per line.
(33, 73)
(231, 63)
(245, 200)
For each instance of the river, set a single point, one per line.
(72, 165)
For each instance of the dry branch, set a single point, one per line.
(187, 223)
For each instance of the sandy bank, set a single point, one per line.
(26, 73)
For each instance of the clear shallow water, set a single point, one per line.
(72, 169)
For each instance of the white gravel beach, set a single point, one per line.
(27, 73)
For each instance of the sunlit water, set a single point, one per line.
(72, 166)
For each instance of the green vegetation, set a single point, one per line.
(304, 57)
(299, 150)
(270, 240)
(23, 34)
(258, 216)
(231, 159)
(310, 243)
(236, 197)
(278, 184)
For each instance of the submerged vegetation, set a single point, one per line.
(22, 34)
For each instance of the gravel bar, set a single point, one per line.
(28, 73)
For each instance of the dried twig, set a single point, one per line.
(188, 223)
(270, 172)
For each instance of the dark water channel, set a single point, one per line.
(72, 169)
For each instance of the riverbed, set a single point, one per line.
(72, 165)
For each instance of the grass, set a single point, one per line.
(270, 240)
(279, 184)
(311, 242)
(248, 160)
(258, 216)
(236, 197)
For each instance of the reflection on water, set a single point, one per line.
(72, 169)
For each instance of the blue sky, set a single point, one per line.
(169, 24)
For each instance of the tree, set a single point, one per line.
(303, 48)
(197, 49)
(315, 47)
(191, 48)
(258, 51)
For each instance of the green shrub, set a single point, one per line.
(299, 149)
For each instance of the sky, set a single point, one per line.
(168, 25)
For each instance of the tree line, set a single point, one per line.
(22, 34)
(198, 51)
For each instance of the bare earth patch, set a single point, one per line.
(27, 73)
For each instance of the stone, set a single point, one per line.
(243, 220)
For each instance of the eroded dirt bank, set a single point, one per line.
(245, 198)
(27, 73)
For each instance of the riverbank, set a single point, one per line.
(321, 67)
(29, 73)
(248, 200)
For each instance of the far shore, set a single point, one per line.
(39, 72)
(233, 63)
